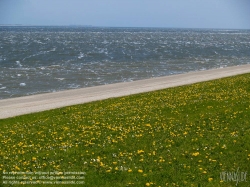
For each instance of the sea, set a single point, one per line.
(43, 59)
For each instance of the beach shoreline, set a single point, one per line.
(41, 102)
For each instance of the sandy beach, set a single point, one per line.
(41, 102)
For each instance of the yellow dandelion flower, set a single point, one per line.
(195, 154)
(101, 164)
(224, 146)
(140, 170)
(129, 170)
(140, 151)
(210, 179)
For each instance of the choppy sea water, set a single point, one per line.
(37, 60)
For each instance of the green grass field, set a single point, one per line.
(183, 136)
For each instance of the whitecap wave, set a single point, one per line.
(19, 63)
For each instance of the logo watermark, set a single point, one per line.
(235, 176)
